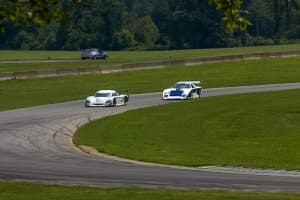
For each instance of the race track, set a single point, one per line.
(35, 145)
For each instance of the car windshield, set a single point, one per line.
(103, 94)
(94, 50)
(181, 85)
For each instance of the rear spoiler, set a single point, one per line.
(123, 92)
(192, 82)
(196, 82)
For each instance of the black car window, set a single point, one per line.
(181, 85)
(102, 94)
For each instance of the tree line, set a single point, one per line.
(155, 25)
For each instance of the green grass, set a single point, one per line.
(253, 130)
(24, 93)
(71, 59)
(25, 191)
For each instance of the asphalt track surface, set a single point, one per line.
(35, 145)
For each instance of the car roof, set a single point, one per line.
(91, 49)
(106, 91)
(189, 82)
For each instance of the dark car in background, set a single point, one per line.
(93, 53)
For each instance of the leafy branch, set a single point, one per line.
(40, 12)
(234, 17)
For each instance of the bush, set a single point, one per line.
(123, 40)
(258, 41)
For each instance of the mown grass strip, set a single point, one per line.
(71, 59)
(10, 55)
(25, 191)
(24, 93)
(252, 130)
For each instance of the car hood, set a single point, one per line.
(175, 89)
(177, 92)
(98, 99)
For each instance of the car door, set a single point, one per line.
(195, 92)
(118, 100)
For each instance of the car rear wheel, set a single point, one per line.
(126, 99)
(114, 103)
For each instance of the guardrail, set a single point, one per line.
(139, 66)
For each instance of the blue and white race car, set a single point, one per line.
(107, 98)
(183, 90)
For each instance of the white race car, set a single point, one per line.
(107, 98)
(183, 90)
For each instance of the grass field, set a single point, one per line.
(71, 59)
(23, 93)
(251, 130)
(60, 89)
(25, 191)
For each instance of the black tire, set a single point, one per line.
(199, 92)
(114, 103)
(126, 99)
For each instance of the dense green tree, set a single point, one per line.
(274, 19)
(147, 24)
(94, 24)
(123, 39)
(261, 17)
(191, 25)
(146, 32)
